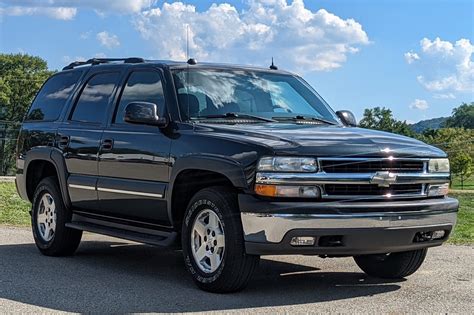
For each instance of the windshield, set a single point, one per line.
(212, 92)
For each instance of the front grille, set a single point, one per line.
(358, 166)
(372, 190)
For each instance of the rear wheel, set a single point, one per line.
(213, 242)
(48, 220)
(393, 265)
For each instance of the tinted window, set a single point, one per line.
(142, 86)
(93, 101)
(53, 96)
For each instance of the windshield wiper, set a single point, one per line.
(301, 117)
(234, 115)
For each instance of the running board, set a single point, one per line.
(165, 239)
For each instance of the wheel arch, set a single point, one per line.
(191, 174)
(43, 162)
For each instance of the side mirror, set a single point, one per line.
(144, 113)
(347, 118)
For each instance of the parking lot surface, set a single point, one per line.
(108, 275)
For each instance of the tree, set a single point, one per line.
(21, 76)
(458, 143)
(461, 166)
(381, 118)
(462, 117)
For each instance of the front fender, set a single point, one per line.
(231, 169)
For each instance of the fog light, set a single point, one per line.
(438, 190)
(438, 235)
(302, 241)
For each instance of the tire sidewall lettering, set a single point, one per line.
(189, 261)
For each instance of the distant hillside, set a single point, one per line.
(422, 125)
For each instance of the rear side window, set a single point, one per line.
(142, 86)
(53, 96)
(94, 99)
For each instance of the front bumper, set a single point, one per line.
(359, 227)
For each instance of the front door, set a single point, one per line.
(134, 159)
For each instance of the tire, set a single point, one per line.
(233, 270)
(392, 266)
(60, 240)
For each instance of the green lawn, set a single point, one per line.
(464, 231)
(14, 211)
(468, 183)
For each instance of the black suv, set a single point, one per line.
(227, 163)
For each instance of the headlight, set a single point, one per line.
(438, 166)
(288, 164)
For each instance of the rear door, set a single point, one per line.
(79, 137)
(134, 159)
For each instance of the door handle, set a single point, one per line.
(107, 144)
(63, 142)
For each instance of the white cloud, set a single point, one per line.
(108, 40)
(67, 9)
(411, 57)
(419, 104)
(445, 67)
(60, 13)
(448, 96)
(297, 37)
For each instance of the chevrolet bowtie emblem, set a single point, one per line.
(383, 179)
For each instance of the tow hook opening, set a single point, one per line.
(330, 241)
(429, 236)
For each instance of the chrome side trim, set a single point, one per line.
(84, 187)
(129, 192)
(273, 227)
(116, 191)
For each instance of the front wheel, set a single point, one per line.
(393, 265)
(213, 243)
(48, 220)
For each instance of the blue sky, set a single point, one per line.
(414, 57)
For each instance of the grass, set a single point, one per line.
(468, 183)
(14, 211)
(464, 231)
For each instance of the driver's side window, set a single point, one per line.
(141, 86)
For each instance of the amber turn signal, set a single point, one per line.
(266, 190)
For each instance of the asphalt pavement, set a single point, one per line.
(109, 275)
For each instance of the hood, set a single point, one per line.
(323, 140)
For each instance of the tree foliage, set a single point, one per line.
(462, 117)
(21, 76)
(458, 143)
(381, 118)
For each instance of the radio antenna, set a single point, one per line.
(187, 41)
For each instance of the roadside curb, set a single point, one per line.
(7, 179)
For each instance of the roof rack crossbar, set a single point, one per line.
(96, 61)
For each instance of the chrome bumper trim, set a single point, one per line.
(271, 228)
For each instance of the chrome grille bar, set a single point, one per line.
(321, 178)
(394, 188)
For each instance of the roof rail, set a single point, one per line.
(96, 61)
